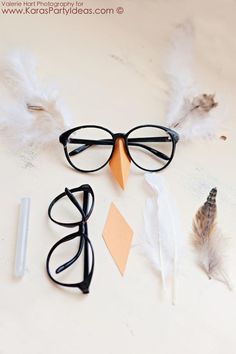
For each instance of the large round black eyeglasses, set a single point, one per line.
(89, 148)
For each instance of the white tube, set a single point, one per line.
(22, 236)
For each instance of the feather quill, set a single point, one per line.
(31, 113)
(208, 240)
(162, 232)
(191, 113)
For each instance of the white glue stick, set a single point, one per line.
(22, 235)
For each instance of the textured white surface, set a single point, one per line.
(109, 69)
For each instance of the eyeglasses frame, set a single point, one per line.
(82, 233)
(63, 139)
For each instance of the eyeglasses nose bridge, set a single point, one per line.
(122, 136)
(119, 136)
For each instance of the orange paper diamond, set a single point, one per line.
(117, 235)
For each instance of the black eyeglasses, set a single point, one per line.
(89, 148)
(85, 245)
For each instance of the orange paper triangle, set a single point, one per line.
(118, 235)
(120, 163)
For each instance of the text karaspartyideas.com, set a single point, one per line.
(54, 8)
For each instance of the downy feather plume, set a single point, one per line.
(31, 114)
(190, 112)
(162, 232)
(208, 240)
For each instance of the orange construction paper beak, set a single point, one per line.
(120, 163)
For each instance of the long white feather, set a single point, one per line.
(31, 114)
(164, 239)
(192, 113)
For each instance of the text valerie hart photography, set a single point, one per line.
(55, 8)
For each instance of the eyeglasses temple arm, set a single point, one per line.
(153, 151)
(85, 231)
(72, 260)
(110, 141)
(132, 142)
(81, 244)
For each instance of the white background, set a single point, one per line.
(109, 70)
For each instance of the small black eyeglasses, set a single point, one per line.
(89, 148)
(85, 245)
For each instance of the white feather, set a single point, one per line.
(162, 231)
(20, 89)
(184, 88)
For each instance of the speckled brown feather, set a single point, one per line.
(208, 240)
(204, 220)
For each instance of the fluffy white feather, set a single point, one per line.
(162, 231)
(31, 113)
(190, 112)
